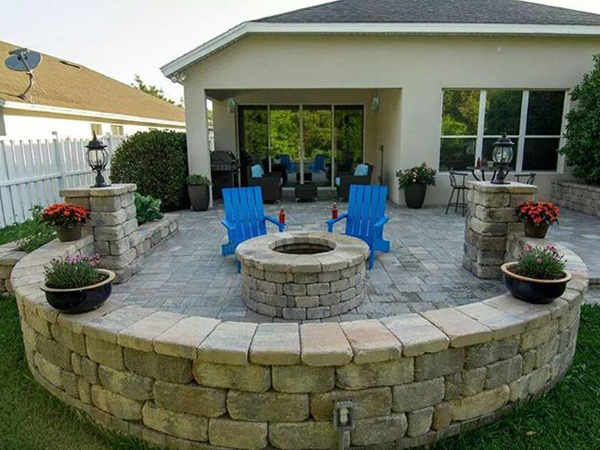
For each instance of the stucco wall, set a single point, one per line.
(419, 65)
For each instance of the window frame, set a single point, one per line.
(113, 126)
(96, 124)
(522, 136)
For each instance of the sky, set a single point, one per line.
(121, 38)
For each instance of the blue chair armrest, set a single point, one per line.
(276, 222)
(332, 222)
(381, 222)
(228, 225)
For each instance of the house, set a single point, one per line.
(435, 81)
(70, 100)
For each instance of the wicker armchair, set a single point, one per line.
(271, 186)
(348, 179)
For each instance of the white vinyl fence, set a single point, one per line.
(32, 172)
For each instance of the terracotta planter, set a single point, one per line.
(532, 290)
(69, 234)
(536, 231)
(414, 195)
(79, 300)
(199, 198)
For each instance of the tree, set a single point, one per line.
(583, 128)
(151, 89)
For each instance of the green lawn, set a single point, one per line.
(566, 418)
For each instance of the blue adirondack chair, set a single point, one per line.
(244, 216)
(366, 217)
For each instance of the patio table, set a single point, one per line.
(483, 170)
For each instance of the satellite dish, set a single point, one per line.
(23, 60)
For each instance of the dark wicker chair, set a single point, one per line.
(270, 185)
(348, 179)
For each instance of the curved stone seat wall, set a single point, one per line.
(192, 382)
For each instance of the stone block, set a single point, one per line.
(105, 204)
(454, 386)
(414, 396)
(190, 399)
(54, 353)
(318, 289)
(487, 228)
(388, 373)
(340, 285)
(185, 426)
(319, 312)
(248, 378)
(301, 378)
(372, 402)
(327, 277)
(266, 286)
(107, 327)
(115, 404)
(435, 365)
(503, 215)
(294, 313)
(501, 323)
(417, 335)
(379, 430)
(240, 435)
(140, 335)
(324, 344)
(306, 301)
(109, 234)
(183, 339)
(126, 384)
(481, 404)
(105, 353)
(159, 367)
(504, 372)
(303, 435)
(229, 343)
(85, 391)
(306, 278)
(473, 381)
(130, 227)
(490, 352)
(89, 371)
(108, 219)
(70, 383)
(49, 371)
(371, 341)
(461, 329)
(267, 406)
(294, 289)
(442, 416)
(119, 262)
(66, 338)
(537, 336)
(276, 344)
(119, 247)
(419, 421)
(330, 299)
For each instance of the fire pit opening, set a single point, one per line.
(304, 247)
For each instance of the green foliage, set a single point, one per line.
(460, 112)
(30, 234)
(151, 89)
(423, 174)
(541, 264)
(583, 128)
(157, 162)
(198, 180)
(73, 272)
(147, 208)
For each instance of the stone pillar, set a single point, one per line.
(114, 224)
(491, 218)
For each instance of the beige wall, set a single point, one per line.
(420, 66)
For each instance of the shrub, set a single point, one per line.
(423, 174)
(541, 263)
(198, 180)
(64, 215)
(73, 272)
(583, 128)
(35, 232)
(538, 213)
(157, 162)
(147, 208)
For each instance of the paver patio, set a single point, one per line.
(422, 271)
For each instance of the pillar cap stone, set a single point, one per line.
(512, 188)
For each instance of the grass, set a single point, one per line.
(568, 417)
(32, 233)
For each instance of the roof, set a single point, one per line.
(406, 17)
(63, 84)
(436, 11)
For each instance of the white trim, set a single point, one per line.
(248, 28)
(87, 113)
(480, 124)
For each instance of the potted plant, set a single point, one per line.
(538, 216)
(67, 219)
(198, 191)
(414, 181)
(539, 276)
(76, 285)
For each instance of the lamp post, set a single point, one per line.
(502, 156)
(98, 160)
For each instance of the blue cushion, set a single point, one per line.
(338, 181)
(362, 170)
(257, 171)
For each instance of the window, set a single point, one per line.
(116, 130)
(96, 128)
(472, 120)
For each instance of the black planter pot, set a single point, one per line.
(532, 290)
(414, 195)
(199, 197)
(69, 234)
(536, 231)
(80, 300)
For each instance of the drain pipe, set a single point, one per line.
(343, 421)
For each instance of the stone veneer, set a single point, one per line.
(491, 218)
(9, 256)
(198, 383)
(303, 286)
(577, 196)
(118, 240)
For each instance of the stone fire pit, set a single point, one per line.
(303, 275)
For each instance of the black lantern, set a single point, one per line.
(502, 156)
(98, 160)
